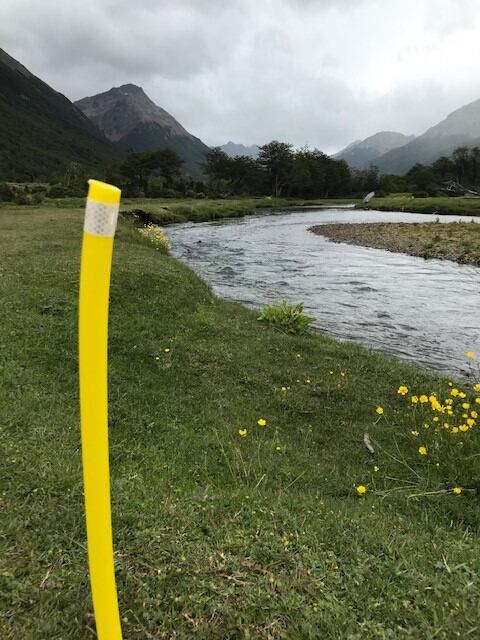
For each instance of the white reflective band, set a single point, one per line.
(100, 218)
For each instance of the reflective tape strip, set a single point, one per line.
(100, 218)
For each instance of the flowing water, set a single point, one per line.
(423, 311)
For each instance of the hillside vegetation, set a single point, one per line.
(41, 131)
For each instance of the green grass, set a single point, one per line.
(459, 242)
(216, 536)
(442, 205)
(184, 209)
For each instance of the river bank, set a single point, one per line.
(176, 210)
(439, 206)
(456, 241)
(222, 527)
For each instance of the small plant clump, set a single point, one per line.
(156, 235)
(439, 451)
(288, 318)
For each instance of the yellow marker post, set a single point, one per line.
(100, 222)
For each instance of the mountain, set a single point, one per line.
(460, 128)
(362, 153)
(128, 118)
(233, 149)
(41, 131)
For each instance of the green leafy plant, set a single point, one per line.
(288, 318)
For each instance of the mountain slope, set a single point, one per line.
(362, 153)
(41, 131)
(460, 128)
(131, 120)
(233, 149)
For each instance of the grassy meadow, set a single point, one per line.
(171, 210)
(224, 528)
(439, 205)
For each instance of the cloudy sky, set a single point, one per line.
(317, 72)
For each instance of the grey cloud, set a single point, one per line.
(321, 72)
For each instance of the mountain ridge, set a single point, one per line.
(362, 153)
(132, 121)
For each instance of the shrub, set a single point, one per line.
(288, 318)
(156, 236)
(57, 191)
(22, 198)
(6, 192)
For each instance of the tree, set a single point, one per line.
(460, 159)
(276, 159)
(138, 167)
(444, 168)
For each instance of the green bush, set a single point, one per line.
(288, 318)
(6, 192)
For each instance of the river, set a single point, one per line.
(423, 311)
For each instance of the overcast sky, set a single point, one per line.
(316, 72)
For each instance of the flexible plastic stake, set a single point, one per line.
(101, 213)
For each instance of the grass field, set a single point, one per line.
(442, 205)
(218, 536)
(459, 242)
(195, 210)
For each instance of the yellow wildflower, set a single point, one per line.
(422, 450)
(474, 414)
(462, 394)
(455, 430)
(375, 468)
(463, 428)
(414, 433)
(470, 354)
(307, 381)
(361, 489)
(454, 392)
(457, 490)
(402, 390)
(242, 433)
(414, 399)
(423, 398)
(477, 400)
(435, 418)
(261, 422)
(476, 387)
(470, 422)
(465, 405)
(284, 389)
(167, 350)
(379, 410)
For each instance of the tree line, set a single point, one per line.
(279, 171)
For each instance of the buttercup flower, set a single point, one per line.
(261, 422)
(423, 398)
(422, 451)
(375, 468)
(361, 489)
(457, 490)
(379, 410)
(242, 433)
(470, 354)
(414, 399)
(402, 390)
